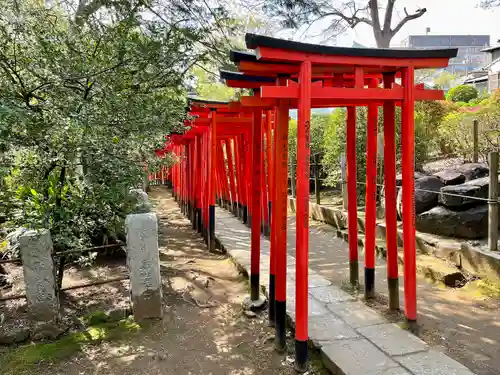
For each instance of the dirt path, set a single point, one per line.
(190, 339)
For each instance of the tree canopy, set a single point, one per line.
(86, 95)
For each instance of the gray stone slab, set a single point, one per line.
(315, 308)
(314, 279)
(432, 363)
(144, 266)
(39, 274)
(358, 357)
(330, 294)
(356, 314)
(326, 328)
(241, 256)
(392, 339)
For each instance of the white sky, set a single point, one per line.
(443, 17)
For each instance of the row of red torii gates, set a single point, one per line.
(236, 154)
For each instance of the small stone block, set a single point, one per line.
(356, 314)
(330, 294)
(393, 340)
(326, 328)
(358, 357)
(432, 363)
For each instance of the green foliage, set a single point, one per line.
(462, 93)
(482, 99)
(209, 86)
(444, 79)
(428, 117)
(334, 138)
(84, 102)
(455, 132)
(318, 124)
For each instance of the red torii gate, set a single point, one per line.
(336, 76)
(284, 75)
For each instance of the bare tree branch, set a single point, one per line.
(389, 10)
(373, 5)
(418, 13)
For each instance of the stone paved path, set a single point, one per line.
(457, 322)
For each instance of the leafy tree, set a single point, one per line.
(342, 15)
(334, 136)
(85, 98)
(318, 124)
(462, 93)
(445, 79)
(208, 85)
(428, 116)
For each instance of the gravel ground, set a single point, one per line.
(204, 330)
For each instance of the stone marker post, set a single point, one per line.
(143, 263)
(39, 275)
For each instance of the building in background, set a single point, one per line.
(487, 78)
(469, 58)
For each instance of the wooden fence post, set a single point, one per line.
(475, 135)
(493, 203)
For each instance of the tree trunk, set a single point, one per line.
(383, 41)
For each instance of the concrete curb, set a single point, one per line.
(353, 338)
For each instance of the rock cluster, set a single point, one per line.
(451, 202)
(458, 208)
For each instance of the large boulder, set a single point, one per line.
(450, 177)
(460, 197)
(426, 194)
(471, 224)
(399, 178)
(472, 171)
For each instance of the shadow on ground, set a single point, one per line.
(203, 331)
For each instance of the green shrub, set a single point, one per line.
(462, 93)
